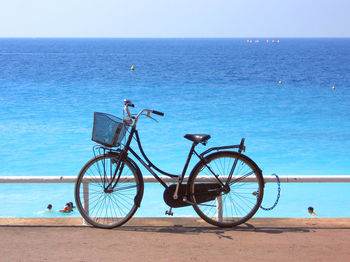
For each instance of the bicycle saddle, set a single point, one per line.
(198, 138)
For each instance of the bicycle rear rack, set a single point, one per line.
(241, 147)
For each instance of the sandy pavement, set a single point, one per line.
(175, 239)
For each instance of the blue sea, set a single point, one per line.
(290, 100)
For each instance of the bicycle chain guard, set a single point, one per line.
(204, 192)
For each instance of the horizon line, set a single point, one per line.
(112, 37)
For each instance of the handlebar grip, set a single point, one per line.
(157, 113)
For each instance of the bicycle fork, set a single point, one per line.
(120, 164)
(109, 180)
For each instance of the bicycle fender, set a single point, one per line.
(244, 156)
(139, 195)
(255, 165)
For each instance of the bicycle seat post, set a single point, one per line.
(181, 177)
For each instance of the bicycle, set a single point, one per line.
(225, 187)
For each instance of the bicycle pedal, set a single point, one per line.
(169, 213)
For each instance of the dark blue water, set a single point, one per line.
(278, 96)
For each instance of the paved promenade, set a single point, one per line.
(175, 239)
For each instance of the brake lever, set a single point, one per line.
(149, 115)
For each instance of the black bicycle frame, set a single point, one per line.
(149, 165)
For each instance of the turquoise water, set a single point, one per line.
(278, 96)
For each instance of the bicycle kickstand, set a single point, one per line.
(169, 213)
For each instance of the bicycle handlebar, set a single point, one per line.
(129, 103)
(157, 113)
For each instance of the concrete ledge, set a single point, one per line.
(187, 222)
(175, 239)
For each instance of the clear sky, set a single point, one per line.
(175, 18)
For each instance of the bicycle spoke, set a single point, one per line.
(107, 207)
(238, 202)
(241, 178)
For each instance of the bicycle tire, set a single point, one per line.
(100, 207)
(244, 197)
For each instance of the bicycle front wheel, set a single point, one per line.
(104, 202)
(230, 205)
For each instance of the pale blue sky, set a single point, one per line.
(175, 18)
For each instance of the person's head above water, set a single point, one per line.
(49, 207)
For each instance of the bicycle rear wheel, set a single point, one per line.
(101, 204)
(233, 205)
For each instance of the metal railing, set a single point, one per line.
(151, 179)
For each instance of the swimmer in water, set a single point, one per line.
(311, 211)
(71, 204)
(68, 208)
(47, 210)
